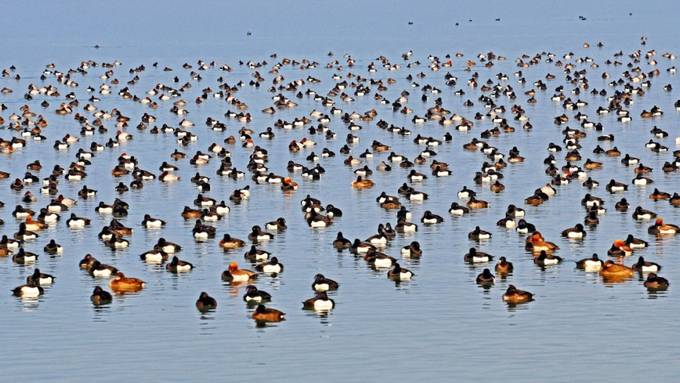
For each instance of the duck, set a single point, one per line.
(430, 219)
(323, 284)
(655, 282)
(659, 195)
(412, 250)
(278, 224)
(644, 266)
(32, 225)
(23, 257)
(75, 222)
(257, 235)
(235, 275)
(103, 209)
(536, 243)
(619, 249)
(466, 193)
(28, 290)
(122, 284)
(205, 302)
(362, 183)
(458, 210)
(152, 223)
(547, 259)
(576, 232)
(100, 270)
(378, 260)
(272, 267)
(86, 262)
(515, 212)
(485, 278)
(622, 205)
(614, 271)
(320, 302)
(590, 265)
(478, 234)
(616, 187)
(514, 296)
(341, 243)
(178, 266)
(264, 314)
(53, 248)
(155, 256)
(503, 267)
(398, 273)
(202, 232)
(641, 214)
(189, 213)
(635, 243)
(256, 255)
(229, 243)
(474, 203)
(41, 279)
(25, 235)
(100, 297)
(167, 247)
(662, 229)
(474, 256)
(253, 295)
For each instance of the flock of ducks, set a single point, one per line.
(492, 101)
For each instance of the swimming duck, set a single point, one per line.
(155, 256)
(644, 266)
(544, 259)
(478, 234)
(253, 295)
(412, 250)
(378, 260)
(485, 279)
(662, 229)
(53, 248)
(272, 267)
(622, 205)
(430, 219)
(536, 243)
(615, 271)
(320, 302)
(205, 302)
(590, 265)
(235, 275)
(75, 222)
(28, 290)
(458, 210)
(228, 242)
(152, 223)
(398, 273)
(178, 266)
(659, 195)
(100, 270)
(41, 279)
(362, 183)
(619, 249)
(474, 256)
(635, 243)
(122, 284)
(32, 225)
(25, 235)
(655, 282)
(514, 296)
(503, 267)
(257, 235)
(100, 297)
(23, 257)
(641, 214)
(277, 225)
(576, 232)
(341, 243)
(265, 314)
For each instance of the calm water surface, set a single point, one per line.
(440, 324)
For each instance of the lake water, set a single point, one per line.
(440, 324)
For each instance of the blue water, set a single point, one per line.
(437, 326)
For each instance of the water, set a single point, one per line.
(440, 324)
